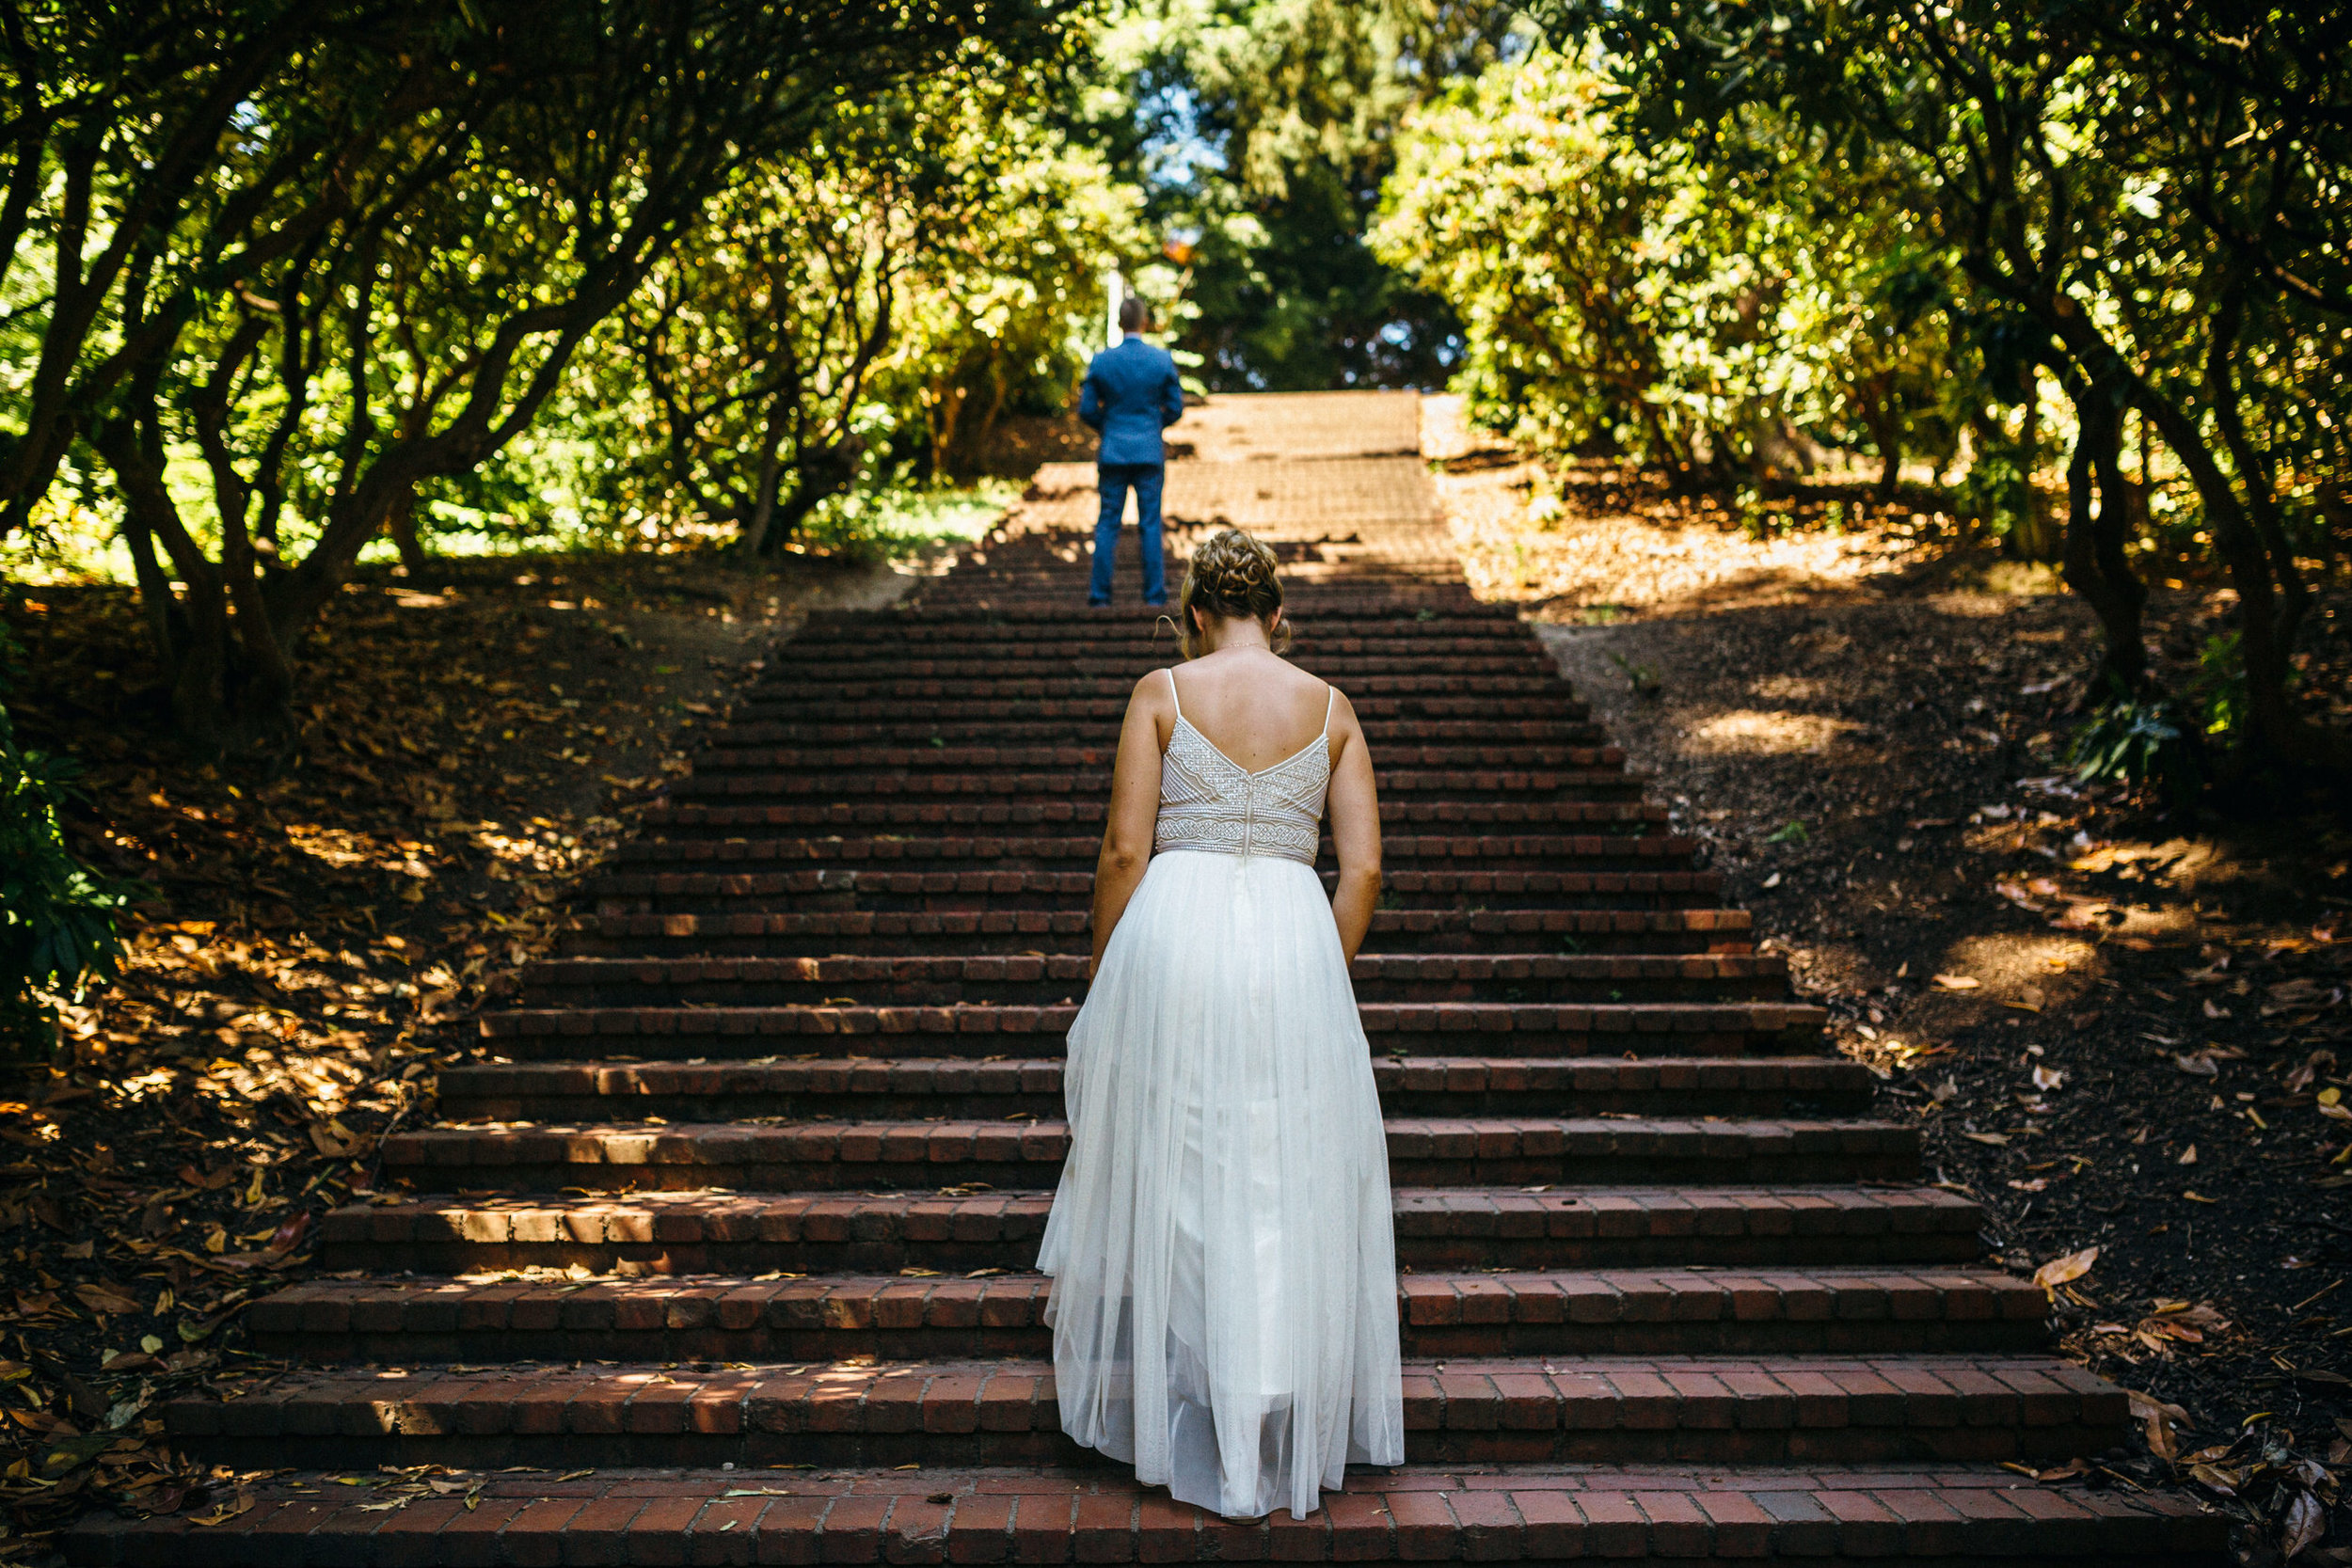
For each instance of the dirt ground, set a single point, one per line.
(2116, 1035)
(312, 938)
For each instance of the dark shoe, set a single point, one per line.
(1156, 604)
(1098, 604)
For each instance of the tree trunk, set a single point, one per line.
(762, 516)
(400, 523)
(1887, 429)
(2096, 567)
(824, 472)
(2276, 728)
(2032, 535)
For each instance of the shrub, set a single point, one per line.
(57, 932)
(2143, 741)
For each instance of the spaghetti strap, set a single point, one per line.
(1328, 702)
(1172, 693)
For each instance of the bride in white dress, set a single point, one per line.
(1224, 1303)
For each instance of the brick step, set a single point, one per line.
(821, 706)
(1407, 557)
(1526, 852)
(701, 877)
(1499, 1029)
(1017, 979)
(1926, 1516)
(619, 931)
(873, 1155)
(852, 684)
(905, 1088)
(1604, 804)
(1320, 612)
(1436, 1228)
(1398, 568)
(1419, 766)
(1680, 1312)
(1336, 660)
(1738, 1410)
(1566, 726)
(731, 772)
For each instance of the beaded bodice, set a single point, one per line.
(1210, 802)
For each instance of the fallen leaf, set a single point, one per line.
(101, 1298)
(2057, 1270)
(2045, 1079)
(2158, 1418)
(2223, 1481)
(1957, 982)
(1999, 1140)
(2306, 1523)
(2200, 1197)
(2188, 1156)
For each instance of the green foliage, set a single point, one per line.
(2141, 741)
(2141, 200)
(1642, 678)
(1996, 490)
(1262, 130)
(2167, 742)
(842, 321)
(1723, 312)
(876, 524)
(287, 273)
(2219, 694)
(57, 932)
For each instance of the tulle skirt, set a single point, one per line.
(1224, 1303)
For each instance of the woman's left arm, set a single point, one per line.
(1135, 809)
(1354, 807)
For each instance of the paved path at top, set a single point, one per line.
(731, 1244)
(1336, 479)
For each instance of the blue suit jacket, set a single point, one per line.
(1131, 395)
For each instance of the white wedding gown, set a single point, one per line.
(1224, 1302)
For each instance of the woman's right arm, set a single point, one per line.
(1354, 807)
(1135, 809)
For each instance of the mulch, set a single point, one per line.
(313, 931)
(2124, 1035)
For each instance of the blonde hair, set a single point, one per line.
(1233, 575)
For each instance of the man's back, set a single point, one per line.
(1131, 393)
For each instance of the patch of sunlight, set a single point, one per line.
(884, 523)
(1785, 688)
(2025, 972)
(1761, 732)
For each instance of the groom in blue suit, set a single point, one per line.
(1131, 395)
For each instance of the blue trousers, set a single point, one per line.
(1115, 479)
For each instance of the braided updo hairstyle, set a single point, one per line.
(1231, 576)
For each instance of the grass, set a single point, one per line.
(73, 544)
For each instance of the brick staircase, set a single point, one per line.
(726, 1256)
